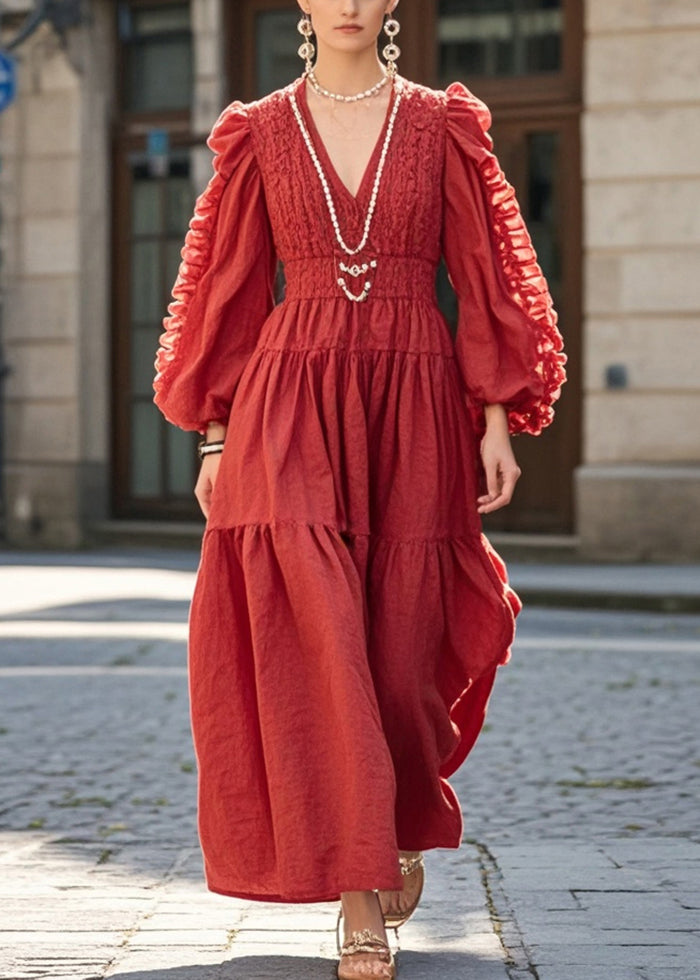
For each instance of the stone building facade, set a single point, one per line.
(638, 486)
(79, 444)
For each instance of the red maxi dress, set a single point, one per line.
(348, 616)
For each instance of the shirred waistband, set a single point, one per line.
(395, 276)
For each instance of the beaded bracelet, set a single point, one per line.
(205, 448)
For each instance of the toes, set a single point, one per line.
(366, 968)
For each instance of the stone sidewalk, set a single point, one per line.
(582, 844)
(660, 588)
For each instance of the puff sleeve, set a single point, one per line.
(225, 287)
(507, 344)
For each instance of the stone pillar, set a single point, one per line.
(209, 83)
(638, 489)
(55, 204)
(209, 80)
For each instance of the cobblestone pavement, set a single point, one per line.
(582, 843)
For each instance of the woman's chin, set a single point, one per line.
(349, 43)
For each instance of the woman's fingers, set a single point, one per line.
(500, 485)
(510, 478)
(202, 492)
(494, 480)
(500, 467)
(206, 480)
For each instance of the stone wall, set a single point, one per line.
(54, 199)
(639, 486)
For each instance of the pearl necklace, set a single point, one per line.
(357, 269)
(320, 90)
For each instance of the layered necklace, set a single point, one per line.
(365, 265)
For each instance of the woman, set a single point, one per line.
(348, 617)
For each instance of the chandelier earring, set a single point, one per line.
(392, 52)
(307, 50)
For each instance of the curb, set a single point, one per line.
(613, 601)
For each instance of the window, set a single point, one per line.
(499, 38)
(276, 58)
(157, 56)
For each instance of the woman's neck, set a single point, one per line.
(348, 74)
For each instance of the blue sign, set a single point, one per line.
(8, 80)
(158, 152)
(158, 143)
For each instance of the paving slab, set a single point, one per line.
(581, 853)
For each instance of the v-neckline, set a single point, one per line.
(324, 156)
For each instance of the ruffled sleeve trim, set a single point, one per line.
(468, 122)
(230, 142)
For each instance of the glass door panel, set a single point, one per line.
(544, 205)
(276, 43)
(181, 473)
(161, 459)
(146, 451)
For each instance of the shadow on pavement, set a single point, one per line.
(447, 966)
(243, 968)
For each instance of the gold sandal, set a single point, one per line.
(364, 942)
(367, 942)
(408, 866)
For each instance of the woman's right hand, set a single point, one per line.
(206, 481)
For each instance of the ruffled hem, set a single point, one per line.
(522, 276)
(468, 709)
(229, 138)
(335, 681)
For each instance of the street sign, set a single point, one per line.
(8, 80)
(158, 152)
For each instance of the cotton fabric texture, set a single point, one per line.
(349, 616)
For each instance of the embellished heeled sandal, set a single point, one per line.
(364, 943)
(409, 866)
(367, 943)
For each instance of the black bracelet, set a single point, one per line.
(205, 448)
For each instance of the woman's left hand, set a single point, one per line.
(501, 469)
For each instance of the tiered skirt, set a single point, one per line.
(349, 616)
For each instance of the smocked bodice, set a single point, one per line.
(405, 232)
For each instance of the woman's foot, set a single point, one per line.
(365, 951)
(398, 906)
